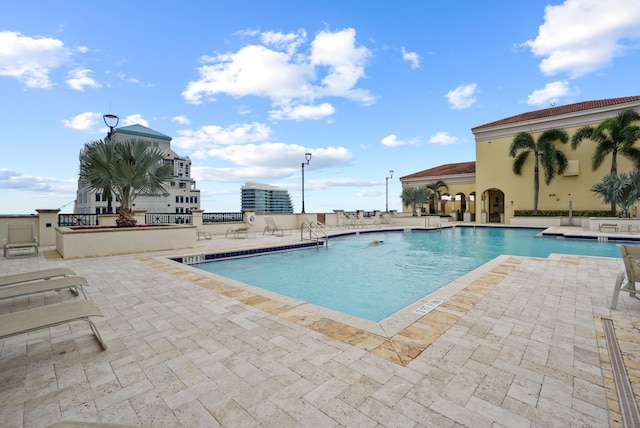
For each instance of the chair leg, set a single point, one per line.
(617, 286)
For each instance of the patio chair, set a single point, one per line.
(29, 320)
(240, 232)
(201, 234)
(631, 269)
(273, 227)
(75, 283)
(35, 276)
(20, 237)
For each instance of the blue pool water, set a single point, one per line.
(373, 282)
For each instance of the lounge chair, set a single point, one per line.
(201, 234)
(77, 424)
(240, 232)
(35, 319)
(631, 269)
(273, 227)
(20, 237)
(35, 276)
(75, 283)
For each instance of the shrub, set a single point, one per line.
(562, 213)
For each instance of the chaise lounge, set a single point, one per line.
(29, 320)
(75, 283)
(35, 276)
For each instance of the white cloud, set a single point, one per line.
(549, 94)
(288, 42)
(345, 62)
(411, 57)
(393, 141)
(134, 119)
(303, 112)
(212, 135)
(30, 59)
(278, 155)
(580, 36)
(182, 119)
(286, 74)
(462, 97)
(24, 182)
(79, 78)
(324, 183)
(443, 138)
(83, 121)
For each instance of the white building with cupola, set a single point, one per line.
(182, 195)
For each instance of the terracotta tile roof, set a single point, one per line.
(556, 111)
(447, 169)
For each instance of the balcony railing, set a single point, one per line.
(77, 219)
(168, 218)
(221, 217)
(152, 218)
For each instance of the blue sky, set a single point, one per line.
(245, 88)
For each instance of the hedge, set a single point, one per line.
(562, 213)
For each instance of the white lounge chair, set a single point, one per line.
(29, 320)
(273, 227)
(201, 234)
(35, 276)
(20, 237)
(240, 232)
(75, 283)
(630, 270)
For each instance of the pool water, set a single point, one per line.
(374, 282)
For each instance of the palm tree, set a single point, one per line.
(415, 196)
(436, 194)
(98, 157)
(136, 170)
(612, 136)
(622, 190)
(545, 155)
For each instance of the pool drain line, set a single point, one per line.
(628, 405)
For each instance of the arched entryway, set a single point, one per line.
(492, 207)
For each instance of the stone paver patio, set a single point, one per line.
(519, 343)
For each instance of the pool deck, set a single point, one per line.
(518, 342)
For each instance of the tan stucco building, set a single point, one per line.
(498, 191)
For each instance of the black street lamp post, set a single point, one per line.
(111, 120)
(308, 157)
(387, 187)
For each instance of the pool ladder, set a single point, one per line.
(430, 223)
(316, 232)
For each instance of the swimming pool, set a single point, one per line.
(374, 282)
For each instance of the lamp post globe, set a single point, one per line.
(111, 120)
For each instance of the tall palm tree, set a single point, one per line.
(436, 194)
(545, 155)
(95, 168)
(615, 135)
(415, 196)
(622, 190)
(136, 170)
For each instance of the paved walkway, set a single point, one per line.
(519, 343)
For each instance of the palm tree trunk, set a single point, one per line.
(536, 188)
(614, 170)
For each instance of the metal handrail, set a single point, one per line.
(436, 224)
(316, 232)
